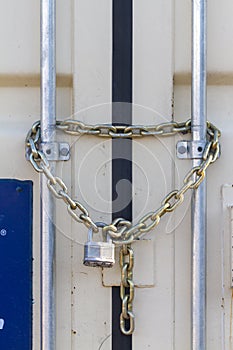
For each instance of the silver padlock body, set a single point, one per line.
(99, 254)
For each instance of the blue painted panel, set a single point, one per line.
(15, 265)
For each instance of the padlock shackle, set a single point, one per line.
(100, 224)
(90, 230)
(106, 238)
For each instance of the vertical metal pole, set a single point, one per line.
(199, 196)
(48, 123)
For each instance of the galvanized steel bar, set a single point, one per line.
(48, 122)
(199, 196)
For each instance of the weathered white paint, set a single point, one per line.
(152, 165)
(91, 168)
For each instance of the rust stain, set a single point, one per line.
(213, 78)
(102, 277)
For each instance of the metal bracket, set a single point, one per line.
(144, 256)
(56, 151)
(190, 149)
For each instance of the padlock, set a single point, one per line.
(99, 254)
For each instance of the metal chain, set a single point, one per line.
(75, 127)
(55, 183)
(121, 231)
(127, 290)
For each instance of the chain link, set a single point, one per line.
(121, 231)
(75, 127)
(127, 290)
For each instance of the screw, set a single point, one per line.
(64, 151)
(182, 149)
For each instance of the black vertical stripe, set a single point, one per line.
(122, 52)
(121, 149)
